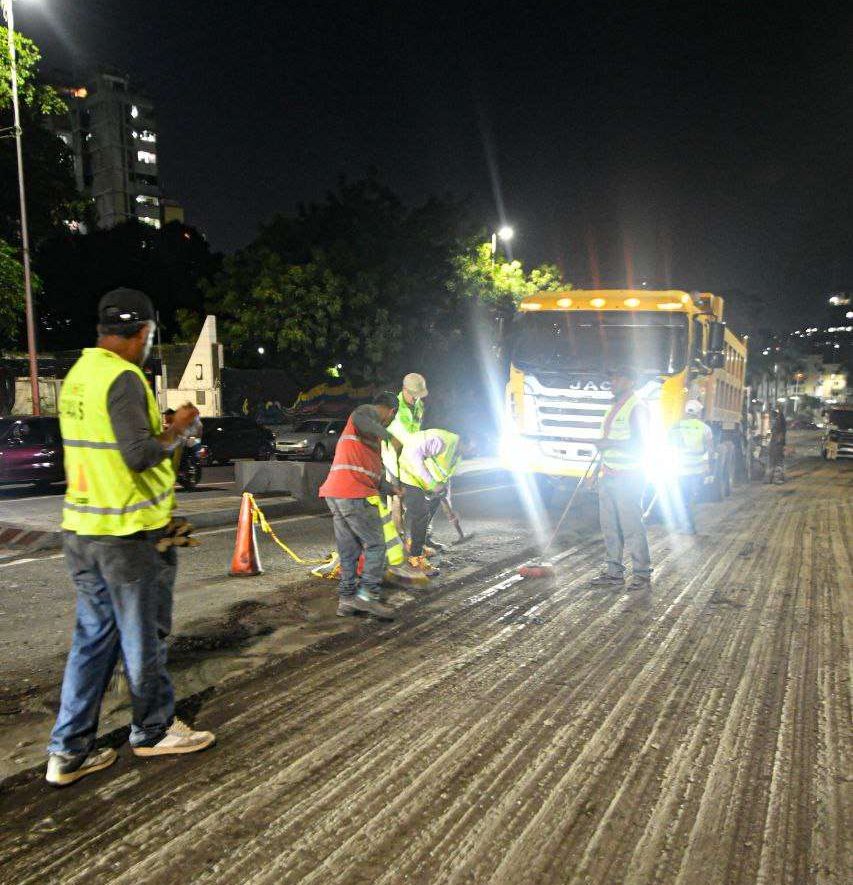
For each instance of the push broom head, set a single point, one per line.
(536, 570)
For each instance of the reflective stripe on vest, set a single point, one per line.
(440, 467)
(104, 496)
(357, 467)
(393, 545)
(617, 426)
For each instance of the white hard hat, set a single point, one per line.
(415, 384)
(693, 407)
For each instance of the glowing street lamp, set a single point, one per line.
(505, 233)
(9, 15)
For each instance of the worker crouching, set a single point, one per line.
(427, 462)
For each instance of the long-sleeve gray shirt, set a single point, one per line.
(366, 420)
(127, 405)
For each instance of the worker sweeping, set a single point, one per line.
(428, 461)
(116, 525)
(352, 492)
(621, 485)
(693, 440)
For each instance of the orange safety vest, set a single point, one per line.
(357, 467)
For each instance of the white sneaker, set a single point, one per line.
(179, 738)
(65, 768)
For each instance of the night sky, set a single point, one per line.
(711, 144)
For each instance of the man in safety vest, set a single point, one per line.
(620, 491)
(118, 506)
(407, 420)
(694, 441)
(428, 461)
(352, 492)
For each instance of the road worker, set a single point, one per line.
(118, 507)
(776, 451)
(694, 442)
(407, 420)
(352, 492)
(621, 486)
(428, 461)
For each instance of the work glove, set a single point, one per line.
(178, 534)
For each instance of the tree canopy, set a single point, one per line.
(364, 281)
(35, 95)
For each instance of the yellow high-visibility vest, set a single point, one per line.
(689, 435)
(617, 426)
(104, 496)
(406, 421)
(393, 544)
(441, 467)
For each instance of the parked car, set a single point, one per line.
(229, 438)
(837, 440)
(31, 451)
(315, 439)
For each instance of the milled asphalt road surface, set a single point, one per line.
(516, 731)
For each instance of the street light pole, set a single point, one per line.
(25, 236)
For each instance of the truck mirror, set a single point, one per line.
(716, 338)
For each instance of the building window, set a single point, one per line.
(134, 111)
(200, 397)
(199, 372)
(147, 135)
(147, 200)
(153, 222)
(146, 157)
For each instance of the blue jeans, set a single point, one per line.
(124, 605)
(358, 529)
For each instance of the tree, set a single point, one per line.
(364, 281)
(52, 196)
(11, 294)
(37, 96)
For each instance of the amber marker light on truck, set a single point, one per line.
(670, 305)
(597, 302)
(531, 305)
(564, 302)
(631, 302)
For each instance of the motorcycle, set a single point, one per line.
(189, 469)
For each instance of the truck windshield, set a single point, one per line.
(841, 418)
(593, 341)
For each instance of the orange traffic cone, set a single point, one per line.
(245, 563)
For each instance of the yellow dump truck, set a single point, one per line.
(562, 345)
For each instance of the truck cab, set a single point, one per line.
(562, 345)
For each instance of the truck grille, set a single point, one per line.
(572, 416)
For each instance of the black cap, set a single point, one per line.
(387, 399)
(124, 307)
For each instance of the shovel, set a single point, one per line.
(453, 519)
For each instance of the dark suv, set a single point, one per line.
(30, 450)
(229, 438)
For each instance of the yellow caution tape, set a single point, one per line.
(259, 519)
